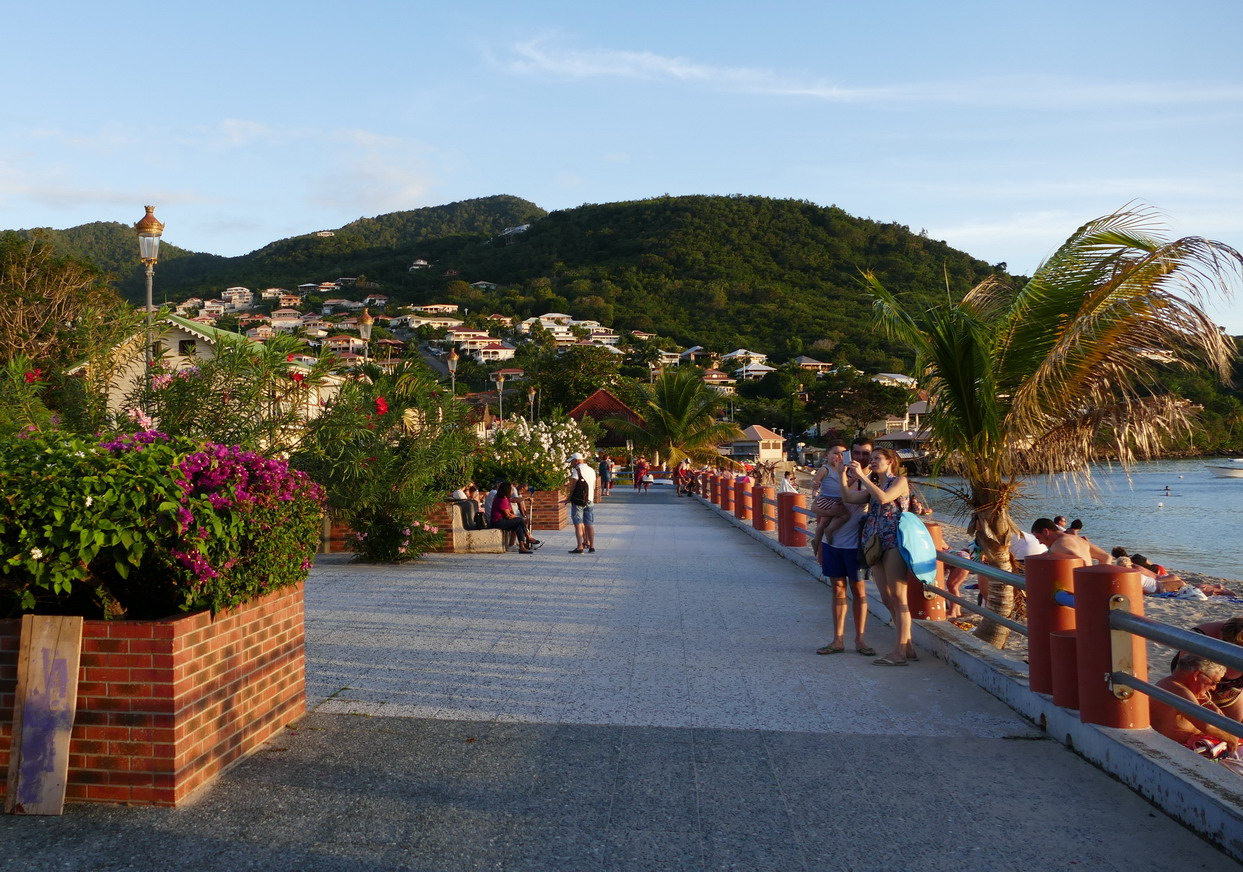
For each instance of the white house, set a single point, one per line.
(493, 352)
(437, 308)
(752, 371)
(758, 444)
(419, 264)
(895, 380)
(742, 357)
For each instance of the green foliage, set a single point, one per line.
(854, 398)
(680, 420)
(247, 394)
(21, 403)
(565, 378)
(531, 455)
(142, 525)
(386, 449)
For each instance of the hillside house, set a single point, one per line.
(753, 372)
(494, 352)
(438, 308)
(758, 444)
(419, 264)
(741, 357)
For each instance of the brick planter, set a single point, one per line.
(548, 511)
(166, 706)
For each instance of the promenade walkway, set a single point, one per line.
(656, 705)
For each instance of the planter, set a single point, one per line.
(166, 706)
(549, 511)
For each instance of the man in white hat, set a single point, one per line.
(581, 513)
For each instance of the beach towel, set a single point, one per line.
(918, 550)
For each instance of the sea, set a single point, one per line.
(1174, 512)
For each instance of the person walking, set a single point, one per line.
(582, 504)
(640, 473)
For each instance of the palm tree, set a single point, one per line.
(1046, 377)
(680, 420)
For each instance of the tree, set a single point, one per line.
(49, 303)
(855, 398)
(1044, 377)
(566, 378)
(680, 420)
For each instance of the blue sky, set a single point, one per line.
(998, 129)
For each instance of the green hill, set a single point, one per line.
(777, 275)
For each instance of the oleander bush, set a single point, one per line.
(143, 525)
(534, 455)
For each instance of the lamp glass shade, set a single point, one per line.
(452, 360)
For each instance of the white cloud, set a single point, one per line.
(540, 57)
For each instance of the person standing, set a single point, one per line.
(582, 514)
(886, 499)
(640, 472)
(606, 475)
(839, 560)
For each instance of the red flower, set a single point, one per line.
(381, 406)
(32, 377)
(289, 357)
(297, 376)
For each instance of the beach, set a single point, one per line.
(1175, 612)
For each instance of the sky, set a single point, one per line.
(998, 128)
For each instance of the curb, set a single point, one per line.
(1203, 796)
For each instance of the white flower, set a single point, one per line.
(36, 554)
(89, 500)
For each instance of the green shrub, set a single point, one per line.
(142, 525)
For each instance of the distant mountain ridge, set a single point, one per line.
(781, 276)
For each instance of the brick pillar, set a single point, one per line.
(548, 511)
(441, 515)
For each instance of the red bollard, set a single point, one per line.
(788, 519)
(924, 604)
(742, 500)
(1095, 586)
(727, 496)
(716, 489)
(1064, 646)
(1047, 574)
(758, 509)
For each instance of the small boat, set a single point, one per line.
(1226, 469)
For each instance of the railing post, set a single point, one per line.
(924, 604)
(742, 500)
(788, 519)
(727, 495)
(760, 493)
(1046, 574)
(1095, 587)
(1064, 654)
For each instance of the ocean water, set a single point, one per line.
(1196, 525)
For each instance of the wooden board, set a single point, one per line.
(47, 698)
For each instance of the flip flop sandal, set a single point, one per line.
(830, 649)
(866, 652)
(885, 661)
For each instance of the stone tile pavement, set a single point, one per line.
(656, 705)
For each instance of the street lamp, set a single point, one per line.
(531, 404)
(500, 397)
(149, 232)
(452, 363)
(365, 323)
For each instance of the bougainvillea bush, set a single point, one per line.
(143, 525)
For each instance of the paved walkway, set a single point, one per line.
(656, 705)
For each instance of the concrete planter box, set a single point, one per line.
(165, 706)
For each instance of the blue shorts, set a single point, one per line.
(582, 515)
(840, 562)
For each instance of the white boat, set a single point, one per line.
(1226, 469)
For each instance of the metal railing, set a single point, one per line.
(1122, 620)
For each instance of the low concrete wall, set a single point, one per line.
(1203, 795)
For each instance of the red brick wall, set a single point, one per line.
(548, 511)
(166, 706)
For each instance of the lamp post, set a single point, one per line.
(531, 404)
(365, 323)
(149, 232)
(500, 397)
(451, 361)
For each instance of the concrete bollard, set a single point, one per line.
(924, 604)
(727, 496)
(1064, 677)
(1095, 587)
(1046, 574)
(788, 519)
(742, 500)
(758, 509)
(714, 484)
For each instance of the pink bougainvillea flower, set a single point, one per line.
(381, 406)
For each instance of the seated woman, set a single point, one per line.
(1228, 694)
(505, 518)
(1155, 573)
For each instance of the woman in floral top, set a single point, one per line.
(887, 494)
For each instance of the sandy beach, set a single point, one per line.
(1176, 612)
